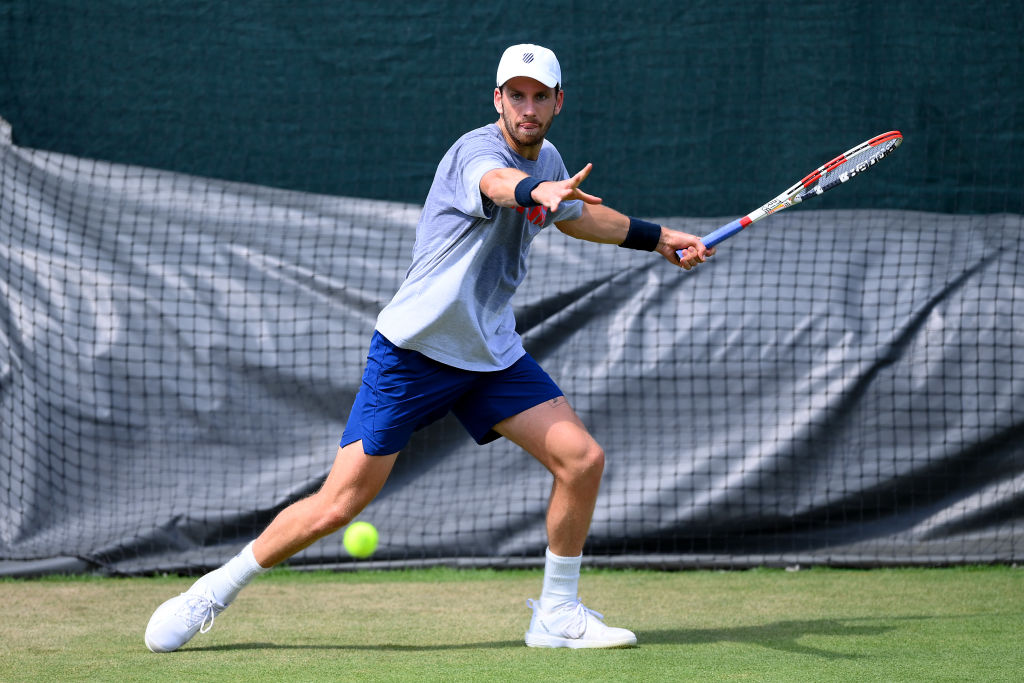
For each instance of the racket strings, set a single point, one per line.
(844, 167)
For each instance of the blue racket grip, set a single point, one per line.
(719, 235)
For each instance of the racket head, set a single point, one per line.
(853, 162)
(847, 165)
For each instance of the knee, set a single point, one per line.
(586, 466)
(595, 460)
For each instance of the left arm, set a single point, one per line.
(500, 186)
(605, 225)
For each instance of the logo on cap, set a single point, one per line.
(528, 57)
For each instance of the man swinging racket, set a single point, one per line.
(447, 341)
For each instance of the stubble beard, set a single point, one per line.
(525, 141)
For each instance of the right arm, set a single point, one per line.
(597, 224)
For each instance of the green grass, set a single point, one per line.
(954, 624)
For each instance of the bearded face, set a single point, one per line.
(526, 111)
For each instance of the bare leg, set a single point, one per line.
(354, 480)
(553, 434)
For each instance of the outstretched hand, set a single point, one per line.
(552, 193)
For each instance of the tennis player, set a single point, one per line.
(447, 342)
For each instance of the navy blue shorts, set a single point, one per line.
(404, 391)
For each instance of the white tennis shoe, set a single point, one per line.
(575, 626)
(175, 622)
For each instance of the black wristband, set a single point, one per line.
(524, 191)
(642, 235)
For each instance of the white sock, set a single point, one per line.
(226, 581)
(561, 580)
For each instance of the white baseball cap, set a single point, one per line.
(533, 61)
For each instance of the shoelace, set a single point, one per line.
(578, 620)
(200, 609)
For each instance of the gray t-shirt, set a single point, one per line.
(469, 257)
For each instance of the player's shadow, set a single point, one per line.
(780, 635)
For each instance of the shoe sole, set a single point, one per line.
(543, 640)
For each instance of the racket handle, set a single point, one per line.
(722, 233)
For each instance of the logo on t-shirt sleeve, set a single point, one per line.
(535, 214)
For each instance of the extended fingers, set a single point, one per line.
(582, 175)
(574, 185)
(587, 198)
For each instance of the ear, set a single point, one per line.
(558, 101)
(497, 100)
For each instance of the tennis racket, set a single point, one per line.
(833, 174)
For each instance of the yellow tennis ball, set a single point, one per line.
(360, 539)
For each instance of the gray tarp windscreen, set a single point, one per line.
(178, 356)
